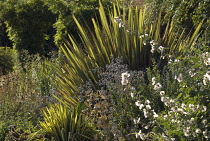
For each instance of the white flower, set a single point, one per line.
(180, 110)
(206, 78)
(147, 102)
(170, 61)
(146, 114)
(138, 134)
(183, 105)
(132, 94)
(198, 130)
(141, 36)
(173, 109)
(161, 49)
(141, 106)
(167, 104)
(146, 127)
(191, 74)
(136, 121)
(204, 121)
(125, 77)
(192, 119)
(153, 80)
(148, 107)
(173, 120)
(206, 58)
(179, 78)
(163, 99)
(162, 93)
(155, 115)
(151, 42)
(117, 20)
(207, 61)
(205, 134)
(133, 88)
(157, 86)
(198, 106)
(176, 60)
(141, 135)
(121, 25)
(138, 103)
(165, 117)
(163, 57)
(204, 109)
(186, 134)
(171, 101)
(206, 54)
(192, 107)
(152, 49)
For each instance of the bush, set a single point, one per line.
(29, 33)
(186, 14)
(7, 60)
(167, 104)
(24, 93)
(84, 10)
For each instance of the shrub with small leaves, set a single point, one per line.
(182, 90)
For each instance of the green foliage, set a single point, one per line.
(3, 130)
(184, 93)
(126, 33)
(7, 60)
(23, 93)
(186, 14)
(20, 113)
(167, 104)
(21, 135)
(65, 124)
(83, 10)
(4, 39)
(38, 70)
(161, 94)
(27, 24)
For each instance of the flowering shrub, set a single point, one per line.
(171, 103)
(183, 90)
(112, 107)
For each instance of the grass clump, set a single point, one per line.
(66, 124)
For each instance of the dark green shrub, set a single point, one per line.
(84, 10)
(27, 24)
(7, 62)
(4, 39)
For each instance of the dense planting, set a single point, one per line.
(124, 72)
